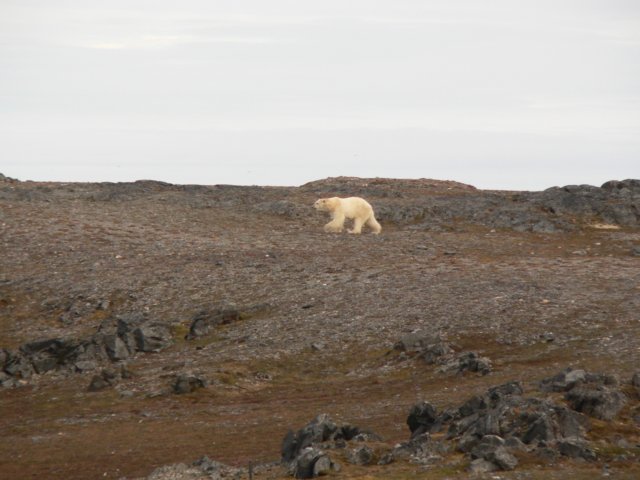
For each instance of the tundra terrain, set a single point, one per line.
(144, 326)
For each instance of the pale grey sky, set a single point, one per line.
(500, 94)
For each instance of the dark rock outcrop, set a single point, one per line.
(313, 462)
(466, 362)
(187, 384)
(594, 394)
(420, 449)
(492, 426)
(116, 340)
(320, 431)
(205, 320)
(362, 455)
(108, 377)
(423, 418)
(599, 402)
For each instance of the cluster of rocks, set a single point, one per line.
(434, 350)
(493, 429)
(116, 340)
(108, 377)
(305, 451)
(595, 394)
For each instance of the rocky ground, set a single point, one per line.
(191, 332)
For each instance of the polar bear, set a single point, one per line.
(355, 208)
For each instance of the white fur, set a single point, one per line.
(355, 208)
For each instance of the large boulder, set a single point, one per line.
(152, 337)
(312, 462)
(423, 418)
(187, 383)
(594, 394)
(599, 402)
(116, 347)
(50, 354)
(361, 455)
(563, 381)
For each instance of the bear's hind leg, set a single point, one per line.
(357, 226)
(373, 224)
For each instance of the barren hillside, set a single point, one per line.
(145, 326)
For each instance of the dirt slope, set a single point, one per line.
(534, 281)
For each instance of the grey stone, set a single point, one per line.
(500, 392)
(475, 404)
(480, 465)
(602, 402)
(515, 444)
(98, 382)
(52, 353)
(152, 337)
(19, 367)
(436, 352)
(467, 442)
(321, 429)
(602, 379)
(305, 462)
(422, 417)
(187, 384)
(575, 449)
(571, 424)
(486, 445)
(322, 466)
(116, 348)
(547, 454)
(107, 378)
(43, 363)
(540, 430)
(362, 455)
(563, 381)
(502, 458)
(467, 362)
(85, 365)
(216, 470)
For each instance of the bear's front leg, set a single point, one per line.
(336, 225)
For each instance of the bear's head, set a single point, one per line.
(326, 204)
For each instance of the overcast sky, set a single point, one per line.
(500, 94)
